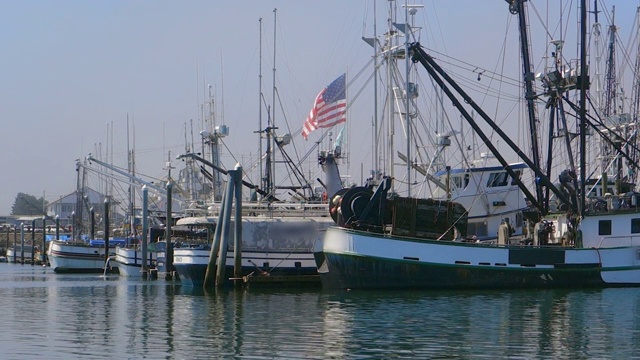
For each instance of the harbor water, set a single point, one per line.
(55, 316)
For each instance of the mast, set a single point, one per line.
(610, 77)
(269, 166)
(517, 7)
(583, 99)
(77, 219)
(407, 30)
(131, 169)
(376, 150)
(270, 130)
(260, 108)
(635, 101)
(597, 34)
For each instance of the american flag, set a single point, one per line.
(329, 109)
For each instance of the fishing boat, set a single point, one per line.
(128, 259)
(381, 248)
(280, 224)
(82, 256)
(271, 246)
(382, 240)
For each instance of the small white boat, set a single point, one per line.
(18, 256)
(129, 259)
(80, 256)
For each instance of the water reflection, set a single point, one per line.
(87, 316)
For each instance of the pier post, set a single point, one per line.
(210, 274)
(43, 251)
(33, 241)
(224, 238)
(169, 253)
(15, 243)
(57, 227)
(22, 242)
(237, 239)
(106, 231)
(6, 243)
(145, 230)
(93, 223)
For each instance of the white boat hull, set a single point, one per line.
(19, 256)
(191, 264)
(77, 257)
(274, 247)
(356, 259)
(129, 261)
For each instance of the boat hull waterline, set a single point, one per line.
(77, 258)
(129, 261)
(353, 259)
(191, 264)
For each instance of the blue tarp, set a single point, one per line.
(112, 242)
(64, 237)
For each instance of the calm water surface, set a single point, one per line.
(51, 316)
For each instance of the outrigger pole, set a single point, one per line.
(419, 55)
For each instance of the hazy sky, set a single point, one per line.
(70, 70)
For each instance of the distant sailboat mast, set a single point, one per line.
(131, 169)
(272, 127)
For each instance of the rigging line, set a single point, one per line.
(612, 143)
(494, 75)
(543, 23)
(286, 121)
(599, 122)
(116, 176)
(474, 86)
(471, 67)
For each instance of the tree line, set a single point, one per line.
(26, 204)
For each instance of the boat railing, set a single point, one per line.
(283, 209)
(618, 241)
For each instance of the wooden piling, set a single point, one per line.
(21, 243)
(169, 253)
(33, 241)
(106, 231)
(237, 239)
(228, 201)
(210, 274)
(145, 229)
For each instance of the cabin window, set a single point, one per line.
(478, 229)
(457, 182)
(498, 179)
(519, 219)
(635, 226)
(604, 227)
